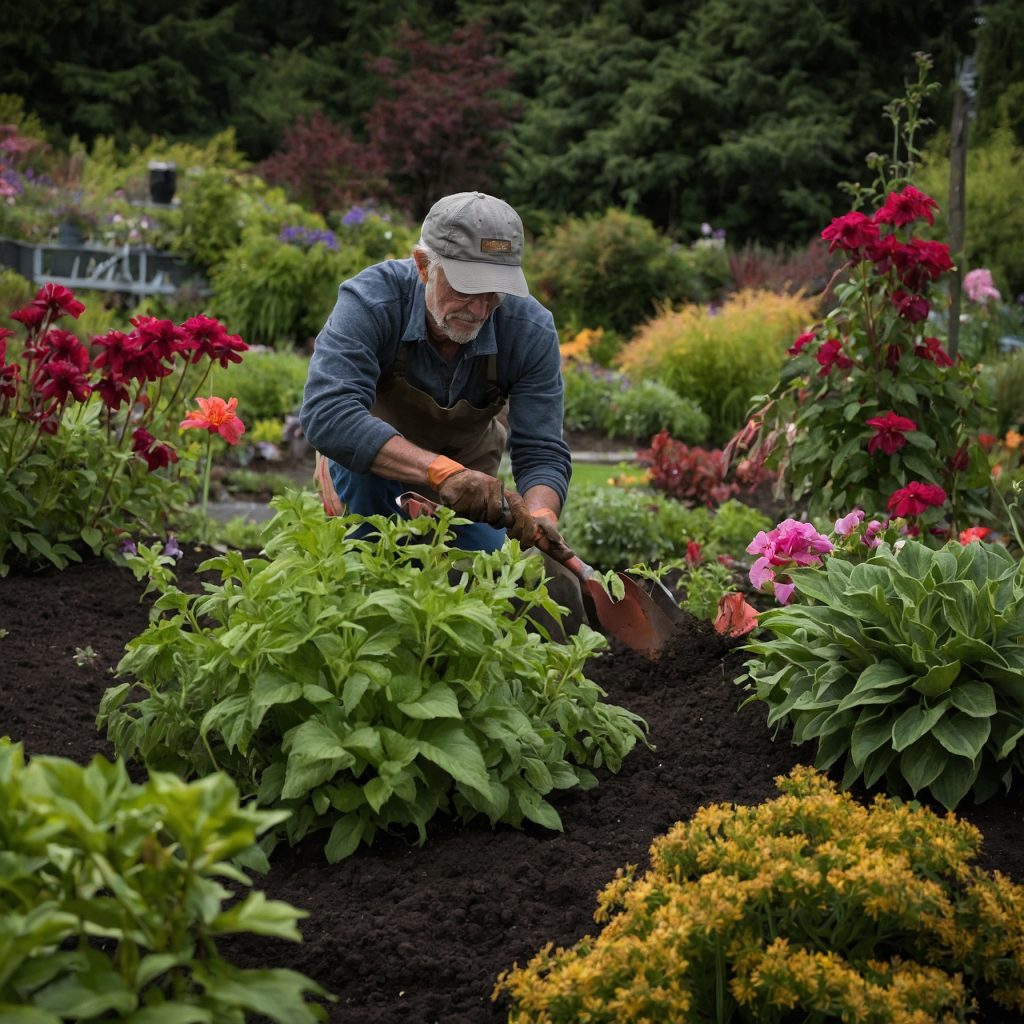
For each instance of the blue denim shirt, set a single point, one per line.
(384, 306)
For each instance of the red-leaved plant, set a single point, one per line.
(698, 476)
(84, 450)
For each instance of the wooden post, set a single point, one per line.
(957, 209)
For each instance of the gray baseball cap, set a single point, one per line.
(479, 240)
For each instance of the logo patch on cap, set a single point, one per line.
(495, 245)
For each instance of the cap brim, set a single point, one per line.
(472, 278)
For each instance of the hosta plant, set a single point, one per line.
(808, 907)
(85, 448)
(368, 684)
(907, 667)
(112, 902)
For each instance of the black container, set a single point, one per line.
(163, 180)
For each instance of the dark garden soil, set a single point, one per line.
(418, 934)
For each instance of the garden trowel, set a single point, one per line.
(642, 619)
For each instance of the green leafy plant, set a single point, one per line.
(806, 907)
(112, 904)
(610, 270)
(368, 684)
(908, 667)
(267, 384)
(81, 458)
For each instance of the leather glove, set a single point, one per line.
(474, 495)
(519, 523)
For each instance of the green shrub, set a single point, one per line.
(808, 907)
(908, 667)
(112, 902)
(719, 359)
(368, 684)
(268, 385)
(1003, 384)
(609, 271)
(275, 293)
(641, 410)
(994, 219)
(601, 400)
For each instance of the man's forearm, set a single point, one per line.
(399, 459)
(540, 496)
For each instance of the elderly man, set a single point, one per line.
(414, 367)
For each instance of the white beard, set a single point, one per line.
(459, 332)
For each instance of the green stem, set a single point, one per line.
(206, 471)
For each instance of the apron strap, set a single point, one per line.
(398, 369)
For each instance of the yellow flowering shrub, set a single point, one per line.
(719, 358)
(810, 906)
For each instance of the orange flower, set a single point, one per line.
(735, 616)
(973, 533)
(1013, 440)
(216, 416)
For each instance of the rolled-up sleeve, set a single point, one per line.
(361, 333)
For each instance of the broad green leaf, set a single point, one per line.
(974, 698)
(88, 995)
(922, 763)
(868, 735)
(438, 702)
(448, 745)
(260, 916)
(152, 966)
(915, 722)
(11, 1014)
(92, 537)
(937, 680)
(344, 839)
(352, 693)
(954, 783)
(961, 734)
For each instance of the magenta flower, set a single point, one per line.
(849, 522)
(914, 308)
(890, 429)
(905, 207)
(797, 347)
(791, 543)
(831, 355)
(852, 232)
(915, 498)
(932, 350)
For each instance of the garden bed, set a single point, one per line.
(419, 934)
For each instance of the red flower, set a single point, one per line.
(693, 555)
(57, 344)
(921, 261)
(831, 354)
(960, 460)
(805, 339)
(931, 349)
(890, 430)
(216, 416)
(913, 499)
(10, 375)
(885, 253)
(113, 393)
(157, 456)
(912, 307)
(60, 379)
(31, 316)
(986, 441)
(852, 232)
(973, 533)
(211, 339)
(905, 207)
(160, 339)
(893, 354)
(57, 299)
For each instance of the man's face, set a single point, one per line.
(457, 316)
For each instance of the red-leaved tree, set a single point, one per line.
(441, 128)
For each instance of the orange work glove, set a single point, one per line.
(469, 493)
(547, 537)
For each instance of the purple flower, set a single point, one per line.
(356, 215)
(128, 547)
(172, 549)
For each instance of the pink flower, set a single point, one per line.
(790, 543)
(831, 355)
(784, 591)
(905, 207)
(915, 498)
(870, 535)
(890, 429)
(735, 616)
(980, 287)
(849, 522)
(216, 416)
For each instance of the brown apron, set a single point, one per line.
(474, 436)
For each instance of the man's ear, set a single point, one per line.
(422, 264)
